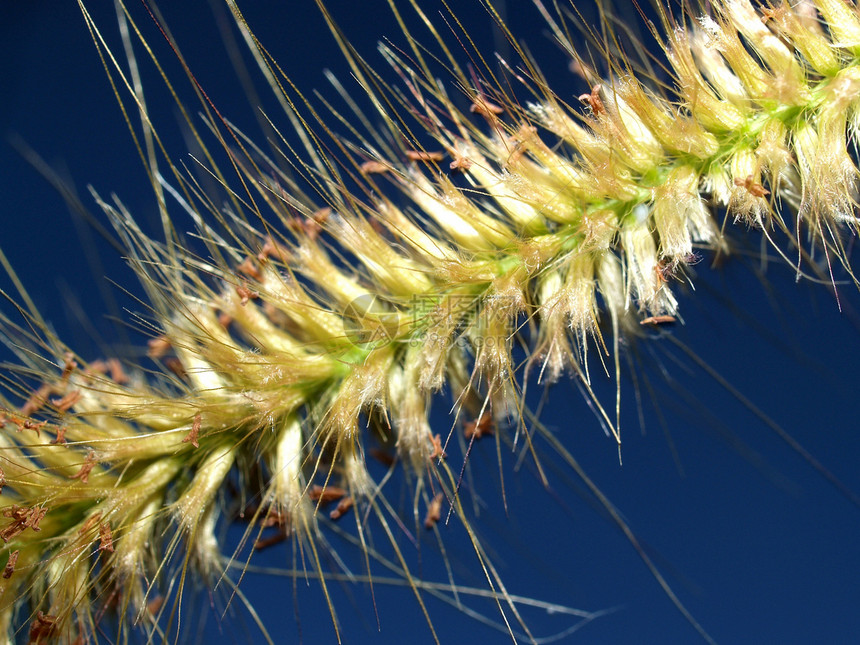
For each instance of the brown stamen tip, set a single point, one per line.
(86, 468)
(343, 507)
(10, 564)
(325, 495)
(117, 374)
(69, 366)
(438, 452)
(245, 294)
(249, 268)
(373, 168)
(484, 108)
(105, 538)
(272, 540)
(68, 401)
(594, 101)
(434, 511)
(423, 156)
(158, 347)
(272, 248)
(36, 400)
(175, 365)
(657, 320)
(460, 164)
(43, 627)
(753, 188)
(192, 436)
(480, 427)
(61, 436)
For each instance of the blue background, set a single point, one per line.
(754, 541)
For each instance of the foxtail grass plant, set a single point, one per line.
(447, 224)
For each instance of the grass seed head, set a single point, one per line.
(319, 319)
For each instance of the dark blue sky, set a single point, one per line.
(757, 544)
